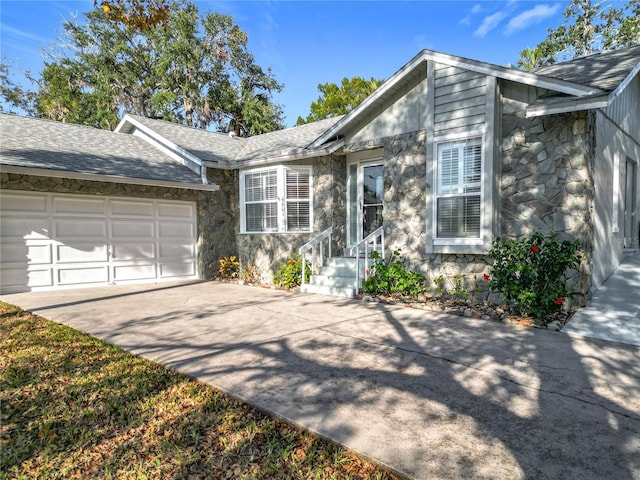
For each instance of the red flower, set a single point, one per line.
(486, 277)
(535, 249)
(559, 301)
(367, 272)
(291, 262)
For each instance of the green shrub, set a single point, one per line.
(290, 272)
(229, 267)
(530, 272)
(393, 278)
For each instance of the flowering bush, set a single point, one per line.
(290, 272)
(530, 272)
(393, 278)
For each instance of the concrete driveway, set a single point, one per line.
(430, 395)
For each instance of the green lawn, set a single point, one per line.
(76, 407)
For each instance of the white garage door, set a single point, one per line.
(55, 240)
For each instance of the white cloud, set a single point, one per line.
(489, 23)
(531, 17)
(467, 19)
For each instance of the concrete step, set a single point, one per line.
(345, 292)
(334, 281)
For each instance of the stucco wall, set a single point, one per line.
(215, 216)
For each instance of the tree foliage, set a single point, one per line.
(337, 100)
(589, 27)
(194, 69)
(136, 14)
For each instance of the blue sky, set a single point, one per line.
(311, 42)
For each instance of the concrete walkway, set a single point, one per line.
(430, 395)
(614, 311)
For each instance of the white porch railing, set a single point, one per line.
(367, 245)
(311, 246)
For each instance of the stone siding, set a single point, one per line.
(215, 215)
(546, 183)
(268, 250)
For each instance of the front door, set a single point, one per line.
(366, 194)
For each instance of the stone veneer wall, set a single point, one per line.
(544, 183)
(215, 215)
(404, 192)
(268, 250)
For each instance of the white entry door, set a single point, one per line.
(55, 240)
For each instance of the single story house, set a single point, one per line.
(446, 155)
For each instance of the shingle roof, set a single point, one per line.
(38, 143)
(604, 70)
(206, 145)
(283, 142)
(216, 147)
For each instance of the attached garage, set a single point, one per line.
(85, 207)
(55, 240)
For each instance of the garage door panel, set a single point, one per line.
(134, 251)
(25, 253)
(134, 272)
(131, 208)
(19, 204)
(176, 250)
(16, 277)
(56, 240)
(177, 269)
(176, 229)
(80, 228)
(132, 228)
(24, 228)
(78, 206)
(82, 253)
(82, 274)
(176, 210)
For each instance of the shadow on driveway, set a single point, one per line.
(430, 395)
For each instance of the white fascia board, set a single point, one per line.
(176, 152)
(93, 177)
(302, 154)
(519, 76)
(570, 105)
(513, 74)
(620, 88)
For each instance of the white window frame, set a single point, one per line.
(281, 198)
(459, 139)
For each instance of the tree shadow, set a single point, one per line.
(430, 395)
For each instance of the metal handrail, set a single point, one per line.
(372, 238)
(311, 245)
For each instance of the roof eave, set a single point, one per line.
(571, 105)
(302, 154)
(45, 172)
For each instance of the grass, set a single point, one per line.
(76, 407)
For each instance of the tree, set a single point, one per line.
(13, 95)
(337, 100)
(588, 28)
(136, 14)
(195, 70)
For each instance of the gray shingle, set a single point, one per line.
(604, 70)
(37, 143)
(206, 145)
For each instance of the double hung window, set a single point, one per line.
(459, 189)
(276, 199)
